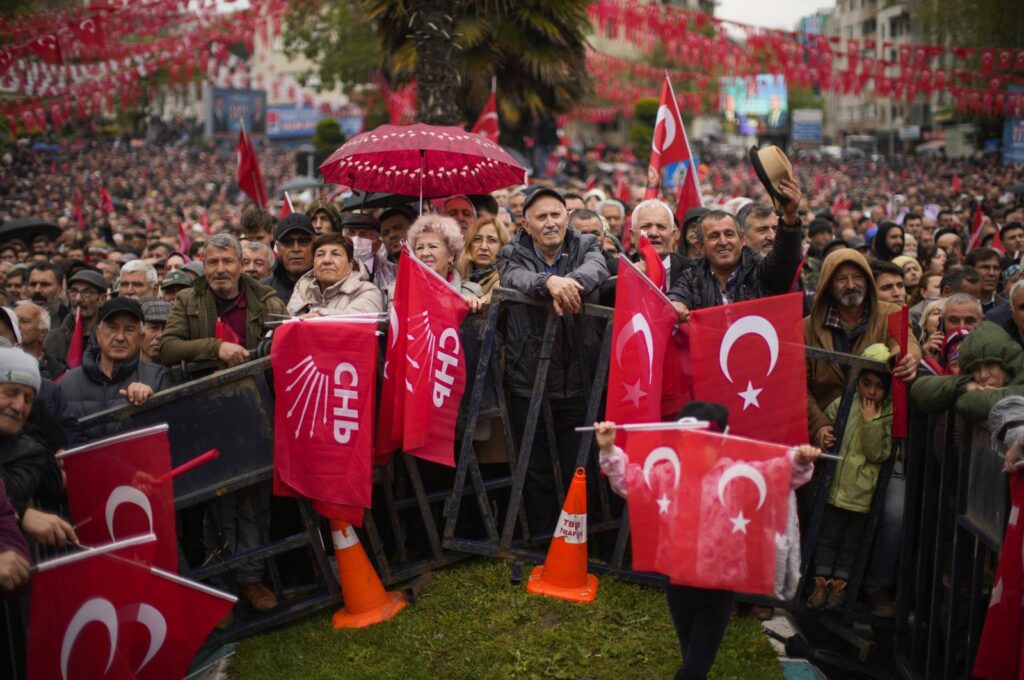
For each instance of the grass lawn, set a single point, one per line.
(471, 622)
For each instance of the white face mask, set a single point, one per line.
(362, 248)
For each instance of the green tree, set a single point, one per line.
(334, 35)
(641, 130)
(970, 23)
(328, 136)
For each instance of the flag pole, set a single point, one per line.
(686, 138)
(494, 84)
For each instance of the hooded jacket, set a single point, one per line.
(987, 342)
(825, 379)
(577, 339)
(880, 244)
(757, 276)
(866, 444)
(189, 332)
(354, 294)
(87, 391)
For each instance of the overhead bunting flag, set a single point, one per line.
(325, 375)
(704, 508)
(765, 390)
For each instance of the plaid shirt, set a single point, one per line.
(832, 318)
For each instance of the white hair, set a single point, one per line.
(615, 203)
(260, 245)
(652, 203)
(44, 316)
(141, 266)
(1017, 285)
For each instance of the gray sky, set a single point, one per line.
(769, 14)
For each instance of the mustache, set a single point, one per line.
(12, 413)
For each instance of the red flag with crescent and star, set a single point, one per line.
(705, 508)
(643, 322)
(435, 371)
(325, 377)
(487, 123)
(120, 487)
(97, 615)
(1001, 649)
(749, 356)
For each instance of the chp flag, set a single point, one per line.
(95, 614)
(751, 357)
(705, 508)
(643, 322)
(425, 366)
(325, 376)
(120, 487)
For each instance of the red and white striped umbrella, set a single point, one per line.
(422, 160)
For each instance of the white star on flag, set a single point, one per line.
(749, 396)
(739, 523)
(997, 594)
(1014, 514)
(634, 394)
(663, 504)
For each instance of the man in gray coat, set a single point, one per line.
(554, 264)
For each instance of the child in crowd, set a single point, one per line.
(700, 615)
(867, 443)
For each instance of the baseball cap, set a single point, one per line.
(156, 311)
(120, 304)
(93, 278)
(540, 193)
(176, 278)
(295, 221)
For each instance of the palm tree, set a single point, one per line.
(452, 48)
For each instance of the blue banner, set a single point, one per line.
(286, 121)
(226, 109)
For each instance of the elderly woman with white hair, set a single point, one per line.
(437, 242)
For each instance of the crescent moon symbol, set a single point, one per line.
(393, 323)
(490, 115)
(150, 617)
(96, 609)
(126, 494)
(637, 324)
(749, 325)
(747, 471)
(662, 453)
(665, 116)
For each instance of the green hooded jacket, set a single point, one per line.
(866, 445)
(987, 342)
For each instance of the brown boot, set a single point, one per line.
(259, 596)
(837, 597)
(881, 605)
(819, 597)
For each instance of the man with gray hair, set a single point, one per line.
(138, 280)
(34, 322)
(758, 225)
(614, 212)
(257, 259)
(654, 218)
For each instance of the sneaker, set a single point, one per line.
(881, 605)
(259, 596)
(819, 597)
(837, 597)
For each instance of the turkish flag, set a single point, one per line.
(286, 207)
(88, 31)
(390, 420)
(623, 192)
(106, 204)
(1002, 638)
(644, 319)
(652, 261)
(749, 356)
(222, 331)
(76, 348)
(184, 241)
(704, 508)
(672, 163)
(250, 178)
(325, 376)
(47, 48)
(899, 324)
(487, 124)
(976, 222)
(677, 372)
(121, 487)
(97, 615)
(435, 371)
(956, 183)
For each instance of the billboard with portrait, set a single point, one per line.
(227, 108)
(752, 105)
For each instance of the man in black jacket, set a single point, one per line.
(111, 373)
(294, 238)
(551, 263)
(731, 272)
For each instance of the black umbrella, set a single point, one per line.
(27, 228)
(360, 200)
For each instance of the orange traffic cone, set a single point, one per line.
(366, 601)
(564, 574)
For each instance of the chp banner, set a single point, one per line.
(325, 375)
(750, 355)
(643, 323)
(424, 367)
(704, 508)
(121, 487)
(97, 615)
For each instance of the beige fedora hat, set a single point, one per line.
(772, 166)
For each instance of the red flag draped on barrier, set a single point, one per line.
(487, 123)
(704, 508)
(1002, 639)
(325, 375)
(768, 334)
(643, 322)
(899, 325)
(120, 487)
(250, 179)
(435, 372)
(96, 615)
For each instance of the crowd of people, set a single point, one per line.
(177, 270)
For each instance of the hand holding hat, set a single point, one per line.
(776, 174)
